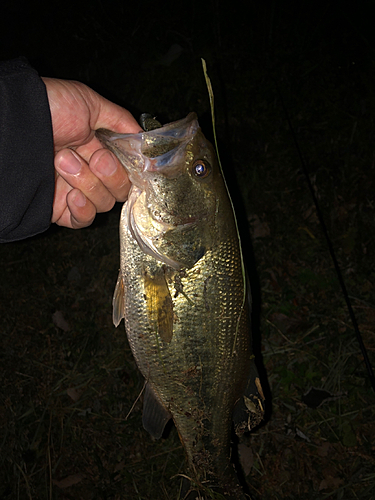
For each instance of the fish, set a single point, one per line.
(183, 294)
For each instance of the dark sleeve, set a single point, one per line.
(27, 176)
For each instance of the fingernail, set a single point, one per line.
(79, 200)
(107, 164)
(70, 163)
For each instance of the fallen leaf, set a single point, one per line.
(323, 449)
(246, 458)
(259, 229)
(74, 394)
(68, 481)
(315, 397)
(119, 466)
(330, 483)
(59, 320)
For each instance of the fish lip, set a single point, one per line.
(128, 147)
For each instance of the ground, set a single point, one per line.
(70, 417)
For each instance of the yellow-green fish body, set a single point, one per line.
(181, 292)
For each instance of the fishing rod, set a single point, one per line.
(353, 318)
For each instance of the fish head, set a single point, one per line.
(176, 192)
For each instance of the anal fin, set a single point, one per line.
(155, 415)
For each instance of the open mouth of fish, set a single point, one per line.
(154, 151)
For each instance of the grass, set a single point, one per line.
(68, 380)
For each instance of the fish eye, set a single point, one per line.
(201, 168)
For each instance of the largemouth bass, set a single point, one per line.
(181, 292)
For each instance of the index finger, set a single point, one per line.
(106, 166)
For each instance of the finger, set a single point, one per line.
(86, 150)
(75, 171)
(113, 117)
(81, 211)
(78, 212)
(109, 170)
(62, 188)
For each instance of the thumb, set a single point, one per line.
(113, 117)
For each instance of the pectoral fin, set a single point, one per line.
(155, 416)
(159, 304)
(118, 301)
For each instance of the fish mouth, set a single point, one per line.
(154, 151)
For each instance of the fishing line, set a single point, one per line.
(330, 247)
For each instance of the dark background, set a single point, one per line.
(68, 379)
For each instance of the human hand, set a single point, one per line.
(89, 179)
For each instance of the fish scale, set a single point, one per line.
(193, 376)
(180, 291)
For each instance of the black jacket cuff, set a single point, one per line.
(27, 176)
